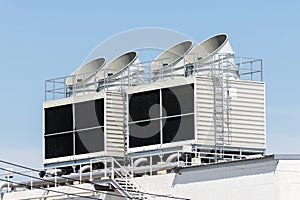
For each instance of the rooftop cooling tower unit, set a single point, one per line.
(212, 52)
(121, 70)
(168, 64)
(82, 80)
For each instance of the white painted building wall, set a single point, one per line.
(259, 179)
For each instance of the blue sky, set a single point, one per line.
(40, 40)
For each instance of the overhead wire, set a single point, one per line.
(49, 190)
(93, 183)
(53, 182)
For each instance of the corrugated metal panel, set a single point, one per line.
(114, 123)
(247, 114)
(248, 131)
(204, 111)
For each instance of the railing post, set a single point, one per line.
(112, 170)
(178, 159)
(74, 85)
(128, 76)
(65, 88)
(105, 169)
(53, 95)
(132, 167)
(172, 68)
(251, 68)
(150, 165)
(31, 181)
(45, 90)
(149, 73)
(8, 183)
(126, 180)
(241, 66)
(83, 84)
(261, 70)
(91, 170)
(80, 175)
(55, 178)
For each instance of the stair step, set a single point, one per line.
(132, 190)
(128, 187)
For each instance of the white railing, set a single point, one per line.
(116, 172)
(143, 73)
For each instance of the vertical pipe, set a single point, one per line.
(112, 170)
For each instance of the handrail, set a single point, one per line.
(142, 73)
(113, 170)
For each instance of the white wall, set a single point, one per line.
(260, 179)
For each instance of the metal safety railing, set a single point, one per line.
(146, 73)
(165, 162)
(111, 172)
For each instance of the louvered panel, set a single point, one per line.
(247, 114)
(115, 115)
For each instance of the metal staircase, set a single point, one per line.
(129, 189)
(122, 180)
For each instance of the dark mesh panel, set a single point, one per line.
(89, 141)
(58, 119)
(144, 133)
(144, 105)
(178, 129)
(59, 145)
(89, 114)
(178, 100)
